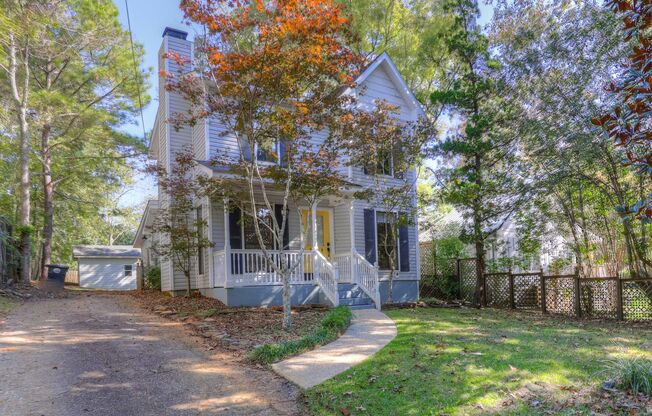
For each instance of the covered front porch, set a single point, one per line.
(326, 259)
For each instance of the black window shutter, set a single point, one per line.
(281, 153)
(235, 239)
(235, 228)
(404, 246)
(278, 212)
(370, 235)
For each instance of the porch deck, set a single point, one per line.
(239, 268)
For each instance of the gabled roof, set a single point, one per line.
(146, 220)
(386, 62)
(105, 251)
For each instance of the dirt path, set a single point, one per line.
(101, 355)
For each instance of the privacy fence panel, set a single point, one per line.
(438, 278)
(527, 290)
(560, 294)
(637, 299)
(599, 298)
(468, 275)
(498, 290)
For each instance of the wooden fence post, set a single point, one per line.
(485, 295)
(512, 302)
(619, 299)
(578, 306)
(459, 279)
(542, 278)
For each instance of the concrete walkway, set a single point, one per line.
(370, 331)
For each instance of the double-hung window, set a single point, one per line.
(274, 153)
(386, 240)
(265, 222)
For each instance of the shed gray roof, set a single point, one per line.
(105, 251)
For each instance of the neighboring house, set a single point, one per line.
(107, 267)
(504, 243)
(234, 270)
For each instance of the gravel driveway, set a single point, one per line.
(100, 354)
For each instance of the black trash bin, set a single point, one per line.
(57, 272)
(56, 276)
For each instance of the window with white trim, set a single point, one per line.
(128, 270)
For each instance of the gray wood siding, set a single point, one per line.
(342, 227)
(199, 140)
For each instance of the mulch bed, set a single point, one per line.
(238, 330)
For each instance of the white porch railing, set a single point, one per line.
(327, 277)
(365, 275)
(250, 268)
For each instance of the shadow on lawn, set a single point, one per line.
(479, 362)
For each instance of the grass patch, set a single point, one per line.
(470, 362)
(331, 326)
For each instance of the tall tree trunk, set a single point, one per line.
(25, 198)
(21, 102)
(48, 201)
(479, 237)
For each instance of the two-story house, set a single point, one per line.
(343, 249)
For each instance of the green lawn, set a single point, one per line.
(464, 361)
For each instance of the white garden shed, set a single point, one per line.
(107, 267)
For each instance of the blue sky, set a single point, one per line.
(148, 19)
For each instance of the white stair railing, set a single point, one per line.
(342, 262)
(326, 276)
(365, 275)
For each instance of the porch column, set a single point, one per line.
(354, 259)
(313, 215)
(227, 245)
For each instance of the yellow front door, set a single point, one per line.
(324, 241)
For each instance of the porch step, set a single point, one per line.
(361, 307)
(352, 296)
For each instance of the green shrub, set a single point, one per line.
(631, 374)
(331, 326)
(153, 278)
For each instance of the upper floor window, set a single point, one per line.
(275, 153)
(383, 166)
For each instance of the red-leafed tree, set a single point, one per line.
(271, 73)
(630, 122)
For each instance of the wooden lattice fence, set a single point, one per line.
(569, 295)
